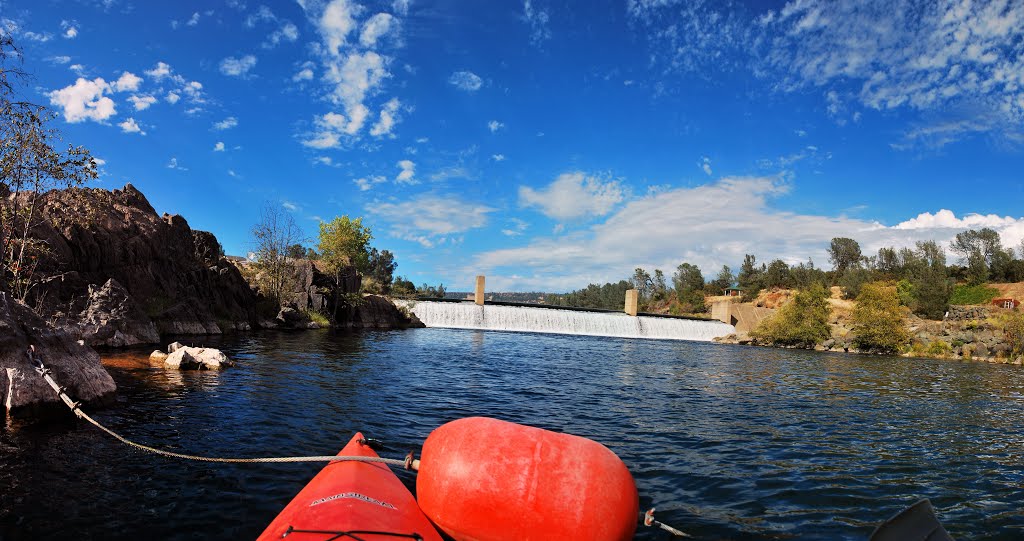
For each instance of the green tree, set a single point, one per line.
(723, 280)
(296, 251)
(931, 283)
(660, 287)
(802, 322)
(777, 274)
(381, 269)
(980, 250)
(843, 253)
(853, 279)
(750, 277)
(343, 245)
(877, 319)
(643, 283)
(687, 278)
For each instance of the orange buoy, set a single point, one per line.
(483, 479)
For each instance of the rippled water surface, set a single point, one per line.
(728, 442)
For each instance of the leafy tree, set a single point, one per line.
(877, 319)
(272, 236)
(660, 287)
(803, 275)
(608, 296)
(852, 280)
(296, 251)
(777, 274)
(403, 287)
(724, 280)
(932, 286)
(1013, 329)
(30, 164)
(981, 250)
(843, 253)
(888, 262)
(381, 269)
(750, 277)
(802, 322)
(430, 292)
(688, 278)
(343, 245)
(643, 283)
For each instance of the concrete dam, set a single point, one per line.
(496, 317)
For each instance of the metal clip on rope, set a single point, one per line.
(649, 521)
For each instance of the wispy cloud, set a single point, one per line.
(466, 81)
(574, 195)
(237, 67)
(226, 124)
(430, 219)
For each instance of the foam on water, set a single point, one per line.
(552, 320)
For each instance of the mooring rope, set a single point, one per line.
(75, 407)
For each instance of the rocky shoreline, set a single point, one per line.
(968, 333)
(120, 275)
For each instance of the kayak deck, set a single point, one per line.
(352, 500)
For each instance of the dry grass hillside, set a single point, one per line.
(1013, 291)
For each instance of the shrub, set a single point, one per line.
(318, 318)
(802, 322)
(877, 319)
(1013, 328)
(938, 348)
(979, 294)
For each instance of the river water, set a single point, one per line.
(727, 441)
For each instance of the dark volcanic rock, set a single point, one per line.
(377, 312)
(112, 318)
(176, 276)
(75, 366)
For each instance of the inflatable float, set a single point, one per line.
(479, 479)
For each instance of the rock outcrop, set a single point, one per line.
(113, 318)
(176, 276)
(74, 365)
(377, 312)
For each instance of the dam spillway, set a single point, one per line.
(463, 315)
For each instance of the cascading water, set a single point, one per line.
(553, 320)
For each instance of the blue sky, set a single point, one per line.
(550, 144)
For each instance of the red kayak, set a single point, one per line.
(353, 501)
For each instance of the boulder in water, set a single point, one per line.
(186, 358)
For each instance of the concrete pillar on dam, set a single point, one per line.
(479, 295)
(632, 298)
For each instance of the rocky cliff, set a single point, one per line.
(118, 270)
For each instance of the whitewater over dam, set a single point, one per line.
(466, 315)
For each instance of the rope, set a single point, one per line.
(76, 409)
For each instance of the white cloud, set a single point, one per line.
(160, 71)
(498, 157)
(538, 21)
(142, 102)
(127, 82)
(71, 33)
(172, 98)
(84, 100)
(262, 14)
(173, 164)
(226, 124)
(288, 32)
(466, 80)
(375, 28)
(194, 20)
(236, 67)
(305, 74)
(573, 196)
(291, 207)
(367, 183)
(130, 126)
(494, 126)
(957, 63)
(60, 59)
(705, 165)
(337, 22)
(388, 118)
(710, 226)
(401, 7)
(430, 219)
(219, 147)
(407, 172)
